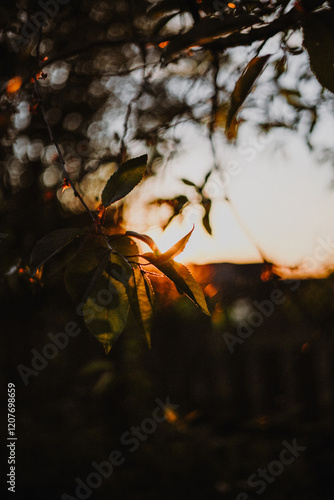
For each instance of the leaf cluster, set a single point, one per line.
(118, 76)
(106, 276)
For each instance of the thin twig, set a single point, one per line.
(69, 53)
(60, 155)
(66, 174)
(94, 218)
(215, 96)
(129, 109)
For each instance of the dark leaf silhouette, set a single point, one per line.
(244, 86)
(319, 42)
(128, 175)
(51, 244)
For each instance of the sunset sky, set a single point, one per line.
(280, 192)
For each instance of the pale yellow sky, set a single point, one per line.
(280, 193)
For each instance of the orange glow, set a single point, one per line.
(267, 274)
(101, 209)
(210, 290)
(305, 347)
(64, 188)
(198, 1)
(101, 213)
(162, 45)
(219, 308)
(231, 5)
(14, 85)
(38, 274)
(66, 185)
(45, 58)
(41, 76)
(21, 270)
(171, 415)
(193, 415)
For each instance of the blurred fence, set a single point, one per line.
(280, 373)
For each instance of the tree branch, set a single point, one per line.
(287, 21)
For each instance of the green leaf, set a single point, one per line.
(244, 86)
(106, 318)
(182, 278)
(119, 268)
(97, 274)
(51, 244)
(175, 250)
(81, 270)
(125, 246)
(128, 175)
(99, 278)
(318, 30)
(140, 293)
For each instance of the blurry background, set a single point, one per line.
(261, 200)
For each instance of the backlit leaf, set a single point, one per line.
(146, 239)
(81, 270)
(97, 274)
(182, 278)
(125, 246)
(128, 175)
(98, 278)
(51, 244)
(244, 86)
(106, 311)
(140, 295)
(175, 250)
